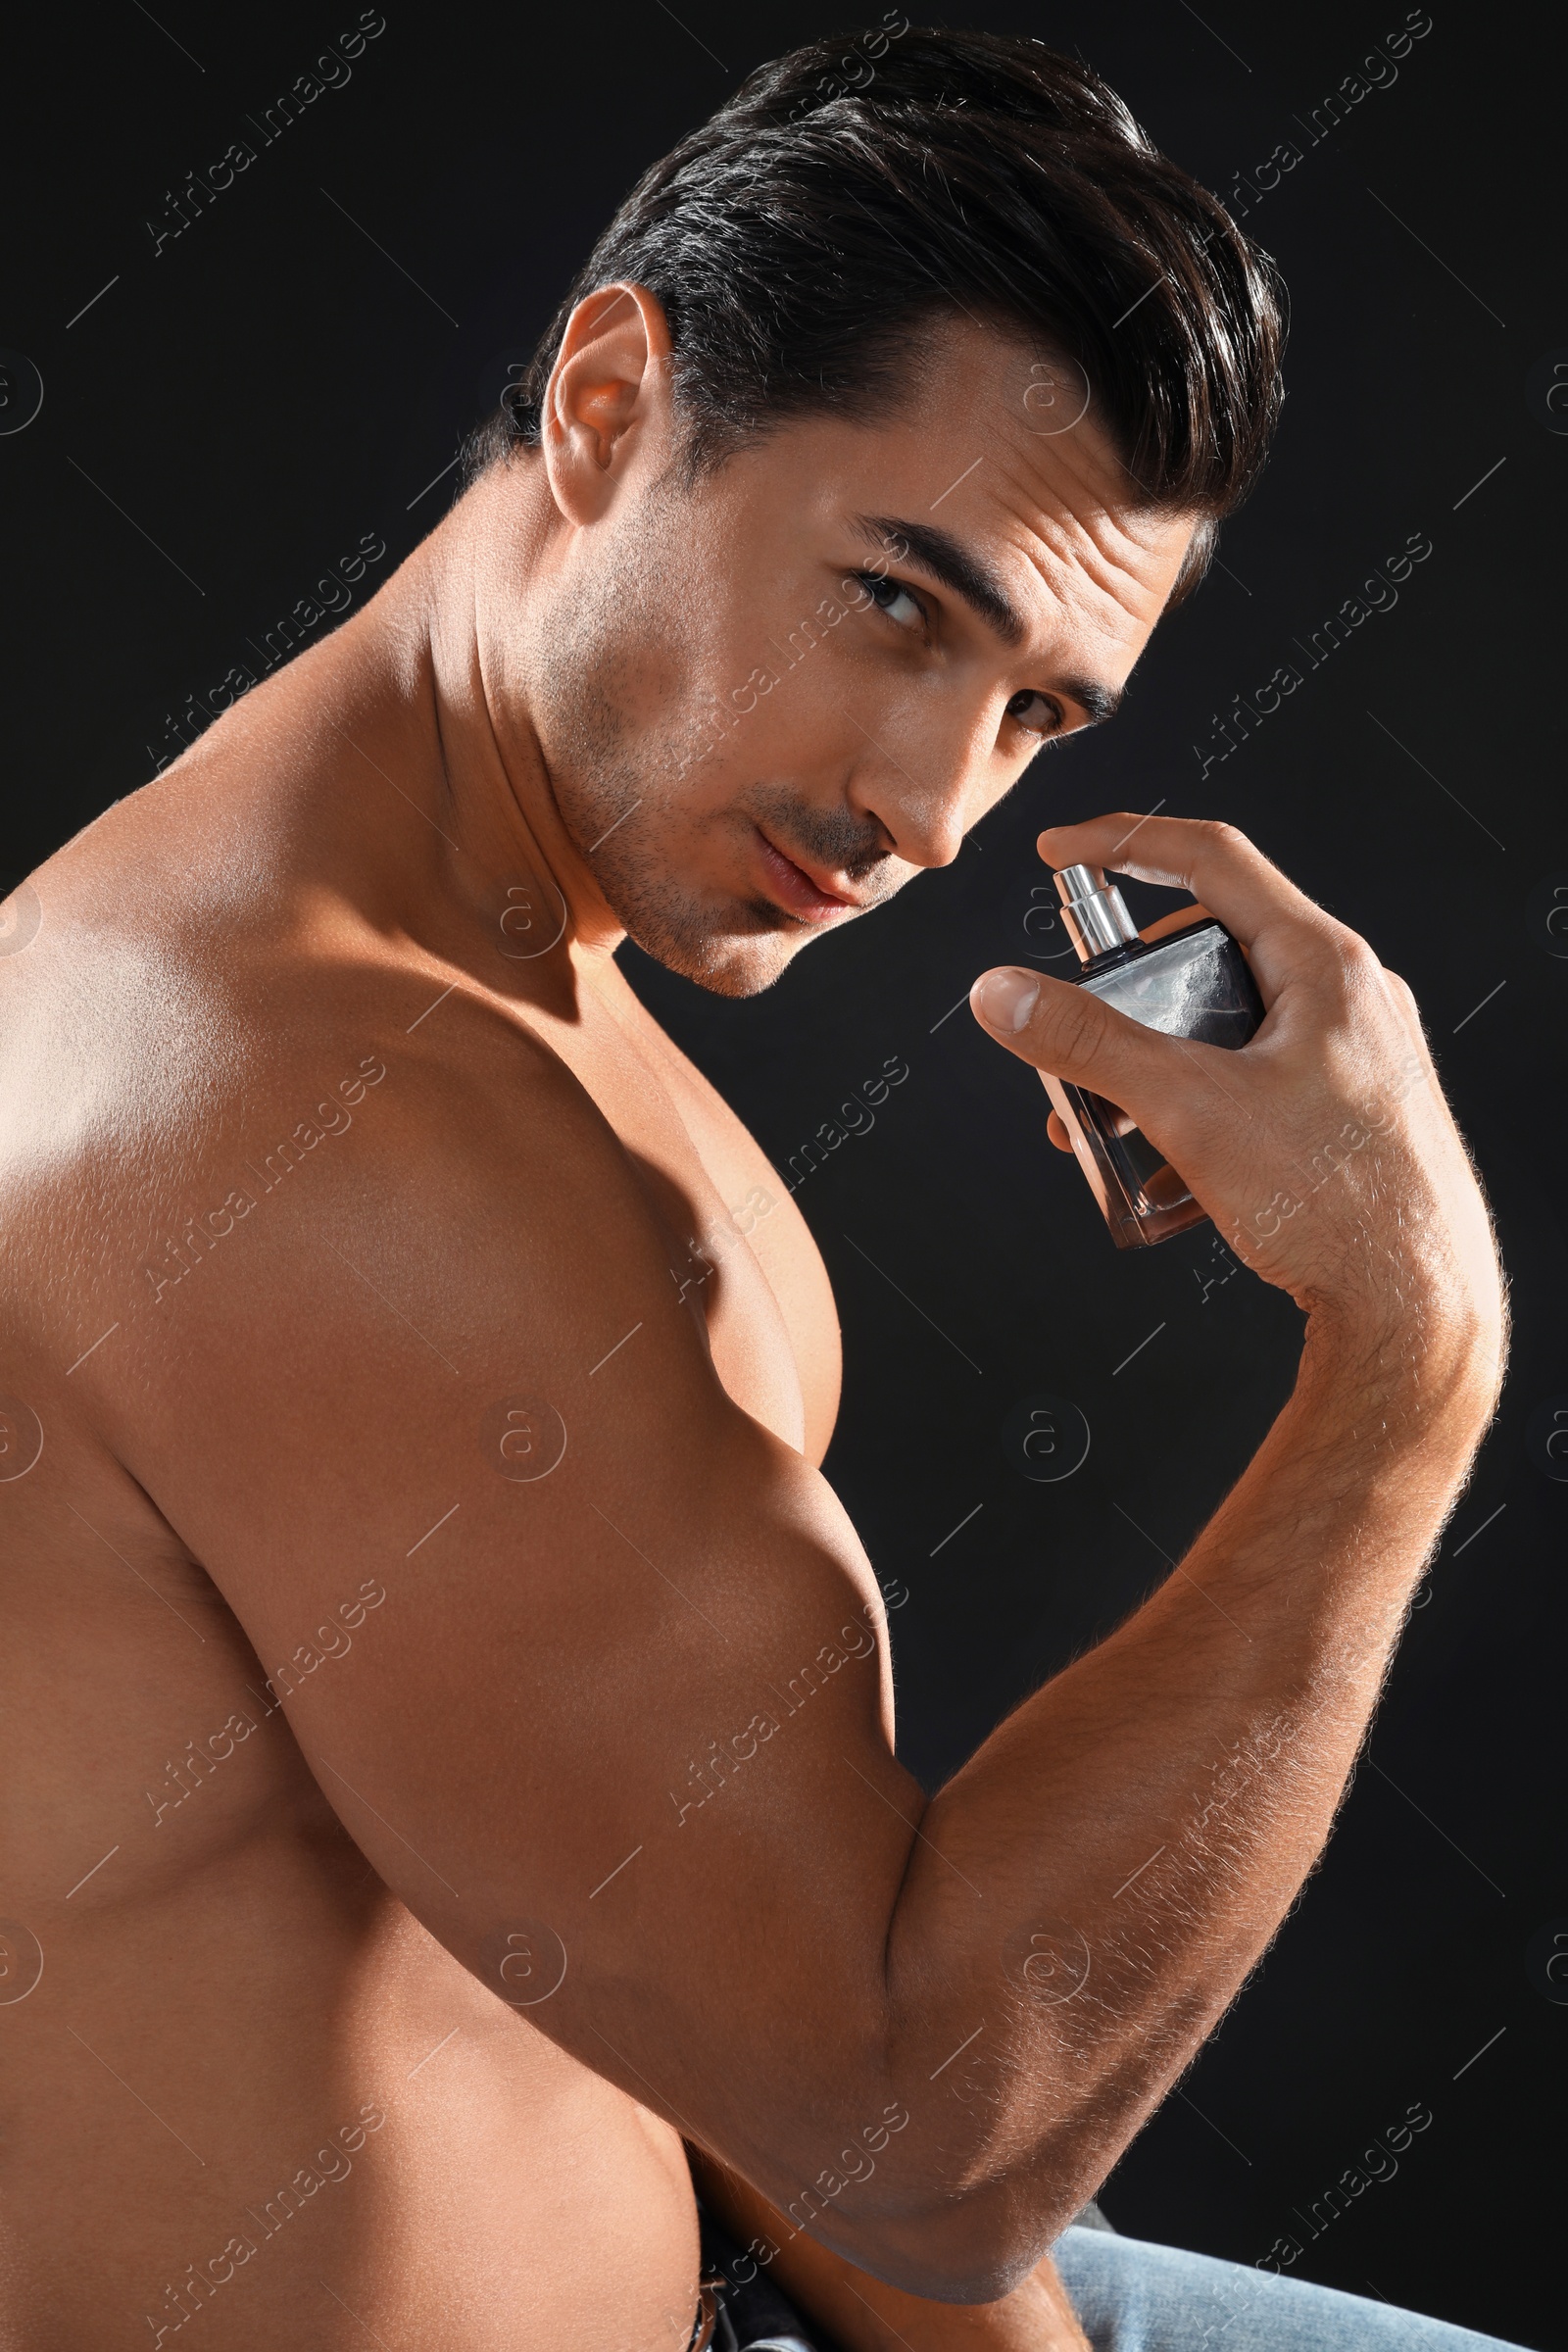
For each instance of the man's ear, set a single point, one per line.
(608, 401)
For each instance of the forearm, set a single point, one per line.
(1087, 1895)
(862, 2313)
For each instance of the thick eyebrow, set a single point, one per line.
(947, 559)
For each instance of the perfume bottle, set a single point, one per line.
(1192, 983)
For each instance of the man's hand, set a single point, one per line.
(1323, 1149)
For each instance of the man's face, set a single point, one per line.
(768, 701)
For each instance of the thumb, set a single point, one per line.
(1074, 1035)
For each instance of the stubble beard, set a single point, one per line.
(619, 783)
(622, 787)
(615, 801)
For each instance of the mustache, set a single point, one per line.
(834, 838)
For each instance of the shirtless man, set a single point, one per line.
(447, 1714)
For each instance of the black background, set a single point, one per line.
(282, 378)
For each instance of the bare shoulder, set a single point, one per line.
(203, 1063)
(762, 1207)
(222, 1016)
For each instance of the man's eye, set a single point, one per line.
(891, 597)
(1036, 712)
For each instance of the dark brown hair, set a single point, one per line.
(801, 240)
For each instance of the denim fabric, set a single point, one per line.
(1130, 2296)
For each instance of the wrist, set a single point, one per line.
(1428, 1365)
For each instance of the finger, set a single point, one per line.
(1070, 1032)
(1058, 1132)
(1214, 861)
(1181, 918)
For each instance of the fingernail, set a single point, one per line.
(1004, 1000)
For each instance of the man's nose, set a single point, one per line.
(923, 802)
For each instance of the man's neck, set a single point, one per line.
(444, 688)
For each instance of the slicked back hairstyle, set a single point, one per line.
(802, 243)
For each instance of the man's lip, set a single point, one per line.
(799, 889)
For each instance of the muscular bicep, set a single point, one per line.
(588, 1663)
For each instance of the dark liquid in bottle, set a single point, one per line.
(1194, 984)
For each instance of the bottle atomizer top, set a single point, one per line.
(1093, 912)
(1191, 982)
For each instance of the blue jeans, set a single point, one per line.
(1130, 2296)
(1134, 2297)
